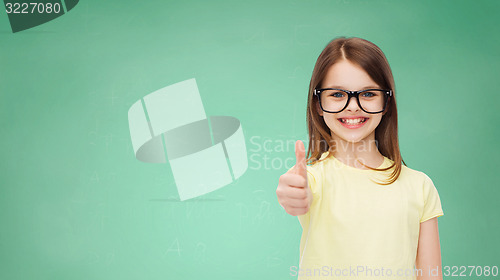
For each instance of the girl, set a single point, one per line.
(364, 213)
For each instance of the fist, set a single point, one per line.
(293, 192)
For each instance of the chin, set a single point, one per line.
(353, 139)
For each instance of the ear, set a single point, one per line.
(385, 111)
(318, 109)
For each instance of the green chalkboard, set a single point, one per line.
(76, 203)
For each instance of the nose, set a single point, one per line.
(353, 105)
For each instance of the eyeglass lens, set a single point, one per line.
(336, 100)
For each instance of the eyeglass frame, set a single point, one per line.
(350, 94)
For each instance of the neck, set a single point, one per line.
(352, 153)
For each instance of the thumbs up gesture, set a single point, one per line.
(293, 192)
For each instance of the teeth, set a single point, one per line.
(353, 121)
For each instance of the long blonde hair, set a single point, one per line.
(371, 58)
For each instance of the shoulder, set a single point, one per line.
(413, 175)
(321, 161)
(418, 180)
(319, 164)
(316, 169)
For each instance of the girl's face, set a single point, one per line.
(348, 76)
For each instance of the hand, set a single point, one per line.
(293, 192)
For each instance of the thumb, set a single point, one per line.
(300, 155)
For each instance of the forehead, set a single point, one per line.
(347, 75)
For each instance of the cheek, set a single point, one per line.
(330, 120)
(376, 120)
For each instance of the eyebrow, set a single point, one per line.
(341, 87)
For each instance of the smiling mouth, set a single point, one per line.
(353, 121)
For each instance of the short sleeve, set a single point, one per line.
(432, 202)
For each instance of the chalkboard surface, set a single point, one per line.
(75, 203)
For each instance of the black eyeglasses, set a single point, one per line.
(371, 101)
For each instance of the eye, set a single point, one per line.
(369, 94)
(337, 94)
